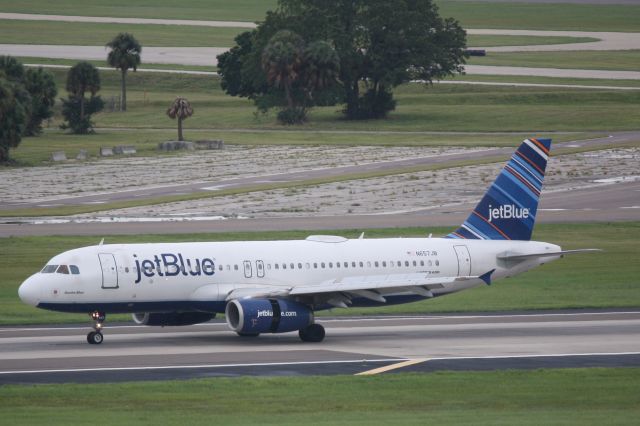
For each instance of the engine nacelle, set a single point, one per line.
(267, 316)
(172, 318)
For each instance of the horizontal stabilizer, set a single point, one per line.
(516, 256)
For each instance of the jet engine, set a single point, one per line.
(172, 318)
(254, 316)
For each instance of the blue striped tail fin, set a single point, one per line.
(508, 209)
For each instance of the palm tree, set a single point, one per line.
(180, 109)
(281, 60)
(124, 54)
(322, 66)
(83, 77)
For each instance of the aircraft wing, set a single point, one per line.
(339, 291)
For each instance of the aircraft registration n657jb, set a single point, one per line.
(275, 286)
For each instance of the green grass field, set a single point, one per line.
(436, 108)
(623, 60)
(472, 14)
(90, 34)
(567, 396)
(601, 280)
(71, 62)
(73, 33)
(441, 107)
(514, 79)
(543, 16)
(214, 10)
(501, 40)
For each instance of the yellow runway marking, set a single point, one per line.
(392, 366)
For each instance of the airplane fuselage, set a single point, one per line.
(199, 276)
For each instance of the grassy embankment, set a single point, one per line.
(440, 108)
(572, 396)
(597, 280)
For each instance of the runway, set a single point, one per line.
(369, 345)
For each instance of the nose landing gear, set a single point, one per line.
(95, 337)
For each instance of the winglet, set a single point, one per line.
(486, 277)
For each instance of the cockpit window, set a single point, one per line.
(74, 269)
(49, 269)
(63, 269)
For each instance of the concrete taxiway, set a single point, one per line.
(370, 345)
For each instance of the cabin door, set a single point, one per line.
(464, 260)
(109, 270)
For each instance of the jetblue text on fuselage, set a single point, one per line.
(171, 265)
(508, 211)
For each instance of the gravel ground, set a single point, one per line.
(113, 175)
(400, 193)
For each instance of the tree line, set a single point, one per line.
(27, 96)
(352, 52)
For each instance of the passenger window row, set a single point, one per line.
(342, 265)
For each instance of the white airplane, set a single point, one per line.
(275, 286)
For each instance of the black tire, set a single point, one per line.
(313, 333)
(241, 334)
(95, 338)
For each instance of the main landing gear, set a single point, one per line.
(95, 337)
(312, 333)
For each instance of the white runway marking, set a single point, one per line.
(171, 367)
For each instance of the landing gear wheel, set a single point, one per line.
(312, 333)
(241, 334)
(95, 338)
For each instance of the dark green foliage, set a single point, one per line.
(42, 88)
(11, 68)
(27, 99)
(278, 68)
(124, 54)
(292, 115)
(369, 46)
(77, 110)
(76, 121)
(15, 109)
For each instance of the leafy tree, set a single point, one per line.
(279, 69)
(15, 103)
(180, 109)
(77, 110)
(321, 65)
(11, 68)
(124, 54)
(42, 88)
(281, 60)
(380, 44)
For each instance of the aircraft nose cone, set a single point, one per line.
(29, 292)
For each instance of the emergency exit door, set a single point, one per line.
(109, 270)
(464, 260)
